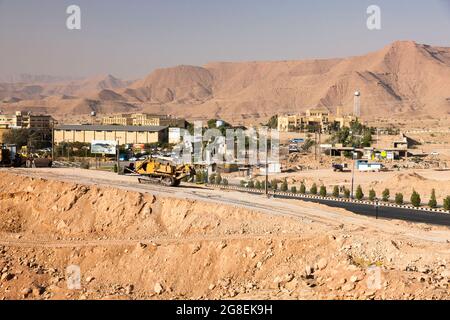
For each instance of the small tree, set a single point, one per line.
(415, 199)
(274, 185)
(359, 193)
(258, 185)
(302, 188)
(372, 195)
(251, 184)
(313, 189)
(212, 179)
(293, 189)
(386, 194)
(263, 185)
(447, 203)
(323, 191)
(225, 182)
(432, 203)
(199, 177)
(242, 183)
(336, 192)
(116, 169)
(218, 178)
(284, 186)
(399, 198)
(347, 193)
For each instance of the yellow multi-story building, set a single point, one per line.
(118, 119)
(143, 119)
(122, 134)
(320, 118)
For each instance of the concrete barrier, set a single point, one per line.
(306, 196)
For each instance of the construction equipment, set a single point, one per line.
(160, 171)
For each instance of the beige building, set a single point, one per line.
(143, 119)
(118, 119)
(26, 121)
(318, 117)
(122, 134)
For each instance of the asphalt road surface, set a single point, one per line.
(435, 218)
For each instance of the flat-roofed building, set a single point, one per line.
(320, 118)
(26, 121)
(144, 119)
(118, 119)
(122, 134)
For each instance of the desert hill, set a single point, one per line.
(402, 79)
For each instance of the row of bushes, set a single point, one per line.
(200, 177)
(346, 193)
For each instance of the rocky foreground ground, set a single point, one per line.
(137, 245)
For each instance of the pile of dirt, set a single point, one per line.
(131, 245)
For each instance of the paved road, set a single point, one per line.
(434, 218)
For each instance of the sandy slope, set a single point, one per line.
(138, 241)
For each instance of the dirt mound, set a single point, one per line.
(132, 245)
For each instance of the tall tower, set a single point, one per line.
(357, 105)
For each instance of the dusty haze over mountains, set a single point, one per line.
(402, 79)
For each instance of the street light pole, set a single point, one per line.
(267, 168)
(376, 208)
(353, 174)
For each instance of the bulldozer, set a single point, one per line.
(164, 172)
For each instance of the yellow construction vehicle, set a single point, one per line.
(162, 171)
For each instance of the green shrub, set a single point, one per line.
(433, 202)
(313, 189)
(212, 179)
(399, 198)
(302, 188)
(447, 203)
(274, 184)
(347, 193)
(242, 183)
(218, 178)
(251, 184)
(359, 193)
(225, 182)
(284, 186)
(258, 185)
(293, 189)
(336, 192)
(323, 191)
(415, 199)
(372, 195)
(386, 195)
(115, 168)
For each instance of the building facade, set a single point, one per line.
(319, 118)
(144, 119)
(21, 120)
(122, 134)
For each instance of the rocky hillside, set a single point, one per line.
(402, 79)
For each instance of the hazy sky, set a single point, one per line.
(131, 38)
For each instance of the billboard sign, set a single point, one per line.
(103, 147)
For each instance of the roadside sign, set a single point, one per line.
(103, 147)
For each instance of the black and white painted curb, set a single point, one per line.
(307, 196)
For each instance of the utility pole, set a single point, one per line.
(267, 168)
(376, 208)
(353, 172)
(118, 157)
(53, 140)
